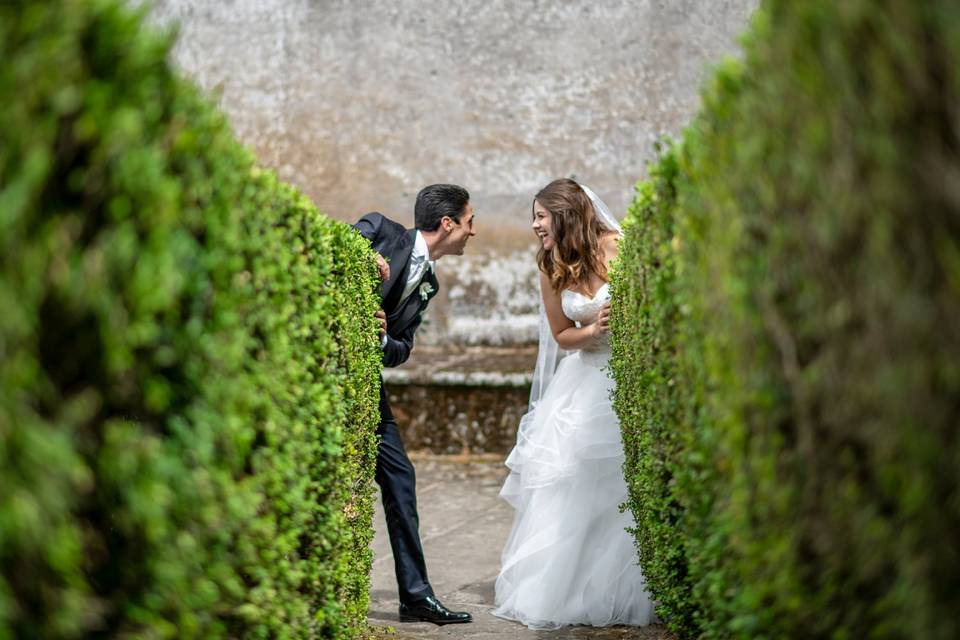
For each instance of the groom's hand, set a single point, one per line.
(381, 315)
(383, 268)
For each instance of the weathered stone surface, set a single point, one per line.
(458, 419)
(461, 400)
(360, 103)
(470, 366)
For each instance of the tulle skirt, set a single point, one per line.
(569, 559)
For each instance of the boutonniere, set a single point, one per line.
(425, 290)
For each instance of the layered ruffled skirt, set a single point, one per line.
(569, 558)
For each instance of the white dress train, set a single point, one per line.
(569, 559)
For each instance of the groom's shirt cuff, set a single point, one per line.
(383, 342)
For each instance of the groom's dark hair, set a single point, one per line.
(437, 201)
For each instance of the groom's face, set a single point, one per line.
(461, 232)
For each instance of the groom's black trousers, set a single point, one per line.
(397, 481)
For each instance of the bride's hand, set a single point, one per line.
(602, 326)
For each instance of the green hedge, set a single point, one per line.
(188, 358)
(787, 348)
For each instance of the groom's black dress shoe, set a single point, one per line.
(430, 610)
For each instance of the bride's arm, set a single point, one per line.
(565, 331)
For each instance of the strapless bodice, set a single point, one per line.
(583, 311)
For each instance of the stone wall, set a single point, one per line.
(360, 103)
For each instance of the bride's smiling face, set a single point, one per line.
(543, 225)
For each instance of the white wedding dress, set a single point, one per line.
(569, 559)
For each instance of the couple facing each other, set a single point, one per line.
(569, 558)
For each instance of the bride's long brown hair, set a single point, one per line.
(576, 231)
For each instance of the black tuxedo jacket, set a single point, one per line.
(395, 243)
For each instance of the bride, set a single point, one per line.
(569, 559)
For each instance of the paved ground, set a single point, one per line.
(463, 525)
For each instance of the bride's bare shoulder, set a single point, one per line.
(545, 285)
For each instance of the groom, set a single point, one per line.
(443, 221)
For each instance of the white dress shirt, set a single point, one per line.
(419, 263)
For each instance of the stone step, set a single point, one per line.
(466, 366)
(461, 400)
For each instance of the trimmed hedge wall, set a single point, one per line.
(786, 334)
(188, 358)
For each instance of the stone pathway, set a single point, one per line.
(463, 525)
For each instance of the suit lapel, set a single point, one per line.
(399, 267)
(415, 303)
